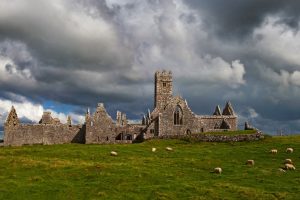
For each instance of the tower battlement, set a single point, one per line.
(163, 73)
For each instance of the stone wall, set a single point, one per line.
(212, 123)
(64, 134)
(25, 134)
(216, 138)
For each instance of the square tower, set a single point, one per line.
(163, 90)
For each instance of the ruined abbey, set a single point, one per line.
(171, 116)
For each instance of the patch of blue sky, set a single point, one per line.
(59, 107)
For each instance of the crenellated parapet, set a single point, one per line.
(164, 73)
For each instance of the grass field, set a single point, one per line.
(75, 171)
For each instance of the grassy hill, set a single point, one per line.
(75, 171)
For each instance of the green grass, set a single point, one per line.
(238, 132)
(75, 171)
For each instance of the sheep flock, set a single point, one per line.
(288, 163)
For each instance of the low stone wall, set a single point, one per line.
(215, 138)
(47, 134)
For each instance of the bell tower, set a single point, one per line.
(163, 90)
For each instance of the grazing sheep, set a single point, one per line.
(281, 170)
(288, 161)
(289, 150)
(289, 167)
(113, 153)
(169, 149)
(273, 151)
(153, 149)
(218, 170)
(250, 162)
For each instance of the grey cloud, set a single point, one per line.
(84, 52)
(236, 19)
(66, 35)
(272, 126)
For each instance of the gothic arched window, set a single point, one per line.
(178, 116)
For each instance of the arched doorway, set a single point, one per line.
(188, 132)
(119, 136)
(128, 137)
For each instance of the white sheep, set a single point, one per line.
(250, 162)
(113, 153)
(289, 167)
(218, 170)
(169, 149)
(153, 149)
(289, 150)
(274, 151)
(288, 161)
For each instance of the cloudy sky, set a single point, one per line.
(65, 56)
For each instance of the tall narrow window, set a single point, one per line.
(164, 84)
(178, 116)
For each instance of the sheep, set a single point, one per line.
(281, 170)
(250, 162)
(169, 149)
(153, 149)
(288, 161)
(273, 151)
(218, 170)
(113, 153)
(289, 150)
(289, 167)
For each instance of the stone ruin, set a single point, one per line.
(171, 116)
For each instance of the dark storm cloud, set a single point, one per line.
(237, 19)
(69, 35)
(60, 83)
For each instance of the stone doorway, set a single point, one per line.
(188, 132)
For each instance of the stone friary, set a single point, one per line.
(171, 116)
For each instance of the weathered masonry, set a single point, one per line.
(171, 116)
